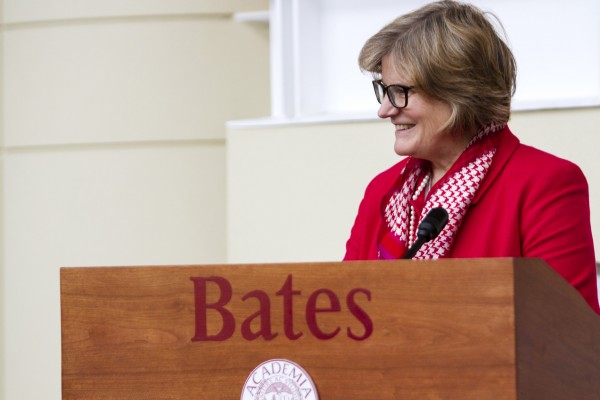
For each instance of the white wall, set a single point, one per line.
(315, 54)
(113, 150)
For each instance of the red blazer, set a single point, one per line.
(530, 204)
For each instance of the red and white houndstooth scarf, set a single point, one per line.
(454, 192)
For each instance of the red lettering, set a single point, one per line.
(288, 308)
(259, 323)
(312, 310)
(359, 313)
(264, 312)
(202, 307)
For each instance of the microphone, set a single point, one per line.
(429, 228)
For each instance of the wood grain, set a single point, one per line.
(441, 330)
(558, 338)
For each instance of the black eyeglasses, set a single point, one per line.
(398, 94)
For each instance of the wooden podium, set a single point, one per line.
(446, 329)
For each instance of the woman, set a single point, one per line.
(445, 79)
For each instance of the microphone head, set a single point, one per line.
(432, 224)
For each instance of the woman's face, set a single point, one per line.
(418, 125)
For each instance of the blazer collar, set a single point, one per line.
(508, 143)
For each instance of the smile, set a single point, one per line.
(404, 127)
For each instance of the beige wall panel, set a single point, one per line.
(2, 279)
(120, 81)
(17, 11)
(293, 191)
(111, 205)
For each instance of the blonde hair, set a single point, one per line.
(452, 53)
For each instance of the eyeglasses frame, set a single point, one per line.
(379, 83)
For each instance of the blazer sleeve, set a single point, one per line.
(362, 244)
(555, 221)
(358, 246)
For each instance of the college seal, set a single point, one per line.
(279, 380)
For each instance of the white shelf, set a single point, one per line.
(261, 17)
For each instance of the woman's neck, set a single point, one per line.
(454, 148)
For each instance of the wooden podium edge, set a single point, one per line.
(557, 350)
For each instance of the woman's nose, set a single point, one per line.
(386, 109)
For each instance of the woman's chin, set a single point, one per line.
(402, 149)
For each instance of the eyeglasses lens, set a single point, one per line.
(393, 92)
